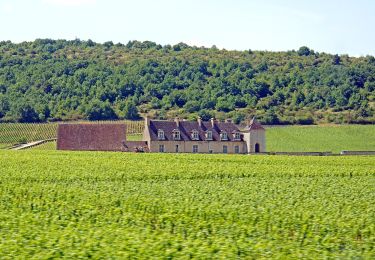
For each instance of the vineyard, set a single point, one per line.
(14, 133)
(115, 205)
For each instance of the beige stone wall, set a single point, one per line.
(146, 137)
(253, 137)
(203, 146)
(169, 146)
(217, 147)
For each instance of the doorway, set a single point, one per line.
(257, 149)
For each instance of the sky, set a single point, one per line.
(332, 26)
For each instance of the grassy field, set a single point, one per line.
(45, 146)
(334, 138)
(119, 205)
(134, 137)
(4, 146)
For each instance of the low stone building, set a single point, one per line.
(96, 137)
(199, 136)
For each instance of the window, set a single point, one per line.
(224, 136)
(195, 135)
(236, 149)
(225, 149)
(177, 148)
(161, 148)
(161, 134)
(209, 135)
(237, 136)
(176, 135)
(195, 148)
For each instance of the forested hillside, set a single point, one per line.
(50, 80)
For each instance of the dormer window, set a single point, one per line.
(237, 136)
(209, 135)
(161, 134)
(194, 135)
(223, 136)
(176, 134)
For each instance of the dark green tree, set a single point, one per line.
(304, 51)
(28, 114)
(131, 111)
(205, 114)
(98, 110)
(4, 106)
(336, 60)
(270, 117)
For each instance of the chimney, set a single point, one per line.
(213, 121)
(147, 121)
(228, 120)
(199, 121)
(177, 120)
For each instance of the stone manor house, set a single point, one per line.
(180, 136)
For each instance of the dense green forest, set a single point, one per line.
(51, 80)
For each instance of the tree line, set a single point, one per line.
(53, 80)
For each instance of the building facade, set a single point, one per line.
(180, 136)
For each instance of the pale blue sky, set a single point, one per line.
(334, 26)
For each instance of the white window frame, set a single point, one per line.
(195, 148)
(209, 135)
(161, 134)
(195, 135)
(225, 149)
(161, 148)
(176, 135)
(237, 136)
(224, 136)
(237, 149)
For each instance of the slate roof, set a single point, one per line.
(254, 125)
(186, 128)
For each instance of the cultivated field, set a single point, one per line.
(118, 205)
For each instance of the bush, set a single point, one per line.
(22, 140)
(205, 114)
(305, 120)
(270, 118)
(304, 51)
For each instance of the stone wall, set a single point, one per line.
(203, 146)
(254, 137)
(357, 153)
(302, 153)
